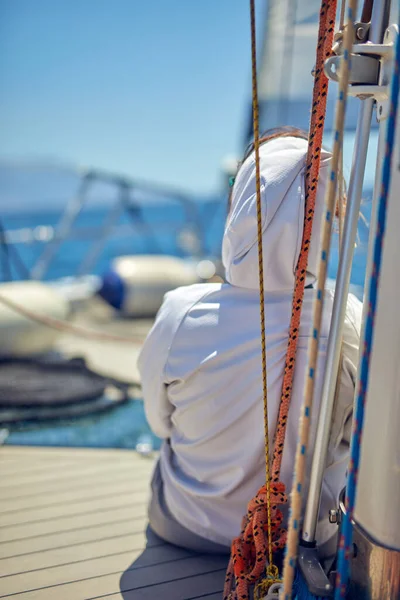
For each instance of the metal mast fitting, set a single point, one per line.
(371, 68)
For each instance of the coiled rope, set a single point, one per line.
(330, 199)
(373, 293)
(261, 534)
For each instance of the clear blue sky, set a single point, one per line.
(151, 88)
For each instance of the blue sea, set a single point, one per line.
(160, 228)
(165, 228)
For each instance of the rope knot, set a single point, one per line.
(249, 556)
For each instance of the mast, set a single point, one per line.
(375, 566)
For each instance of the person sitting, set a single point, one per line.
(200, 365)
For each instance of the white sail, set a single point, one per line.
(286, 60)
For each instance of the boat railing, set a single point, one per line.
(126, 203)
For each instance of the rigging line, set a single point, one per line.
(10, 252)
(320, 92)
(305, 419)
(248, 131)
(5, 255)
(261, 269)
(342, 14)
(340, 204)
(61, 325)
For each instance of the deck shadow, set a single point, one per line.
(172, 573)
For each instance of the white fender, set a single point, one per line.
(20, 335)
(136, 285)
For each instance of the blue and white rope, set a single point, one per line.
(373, 292)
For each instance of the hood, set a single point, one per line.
(282, 169)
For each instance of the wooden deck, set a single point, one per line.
(73, 527)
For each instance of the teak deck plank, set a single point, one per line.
(73, 527)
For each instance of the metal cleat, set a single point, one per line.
(371, 67)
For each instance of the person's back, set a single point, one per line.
(201, 364)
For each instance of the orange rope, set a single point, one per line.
(261, 533)
(320, 94)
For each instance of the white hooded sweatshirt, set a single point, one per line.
(201, 363)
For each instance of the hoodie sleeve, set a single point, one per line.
(152, 363)
(156, 351)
